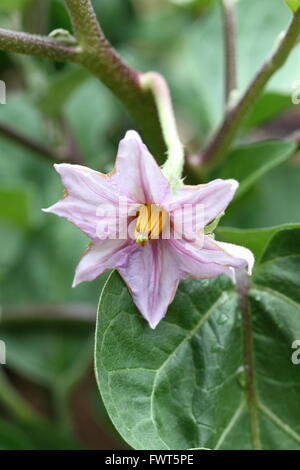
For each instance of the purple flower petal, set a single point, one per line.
(152, 276)
(213, 198)
(100, 258)
(208, 262)
(153, 269)
(91, 200)
(138, 174)
(238, 252)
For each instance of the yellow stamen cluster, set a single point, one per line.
(150, 223)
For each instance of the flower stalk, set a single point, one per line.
(173, 167)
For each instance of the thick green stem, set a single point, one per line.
(221, 141)
(96, 54)
(103, 61)
(173, 167)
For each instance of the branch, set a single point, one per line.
(97, 55)
(230, 48)
(38, 46)
(103, 61)
(37, 147)
(86, 26)
(235, 116)
(44, 312)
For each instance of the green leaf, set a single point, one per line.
(35, 437)
(254, 239)
(268, 106)
(53, 353)
(250, 163)
(12, 438)
(273, 200)
(50, 437)
(13, 240)
(293, 4)
(8, 5)
(53, 98)
(16, 206)
(184, 385)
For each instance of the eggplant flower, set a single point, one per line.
(146, 242)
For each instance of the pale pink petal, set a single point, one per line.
(152, 276)
(214, 252)
(238, 252)
(91, 200)
(191, 262)
(101, 257)
(137, 172)
(211, 199)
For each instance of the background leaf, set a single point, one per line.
(256, 239)
(249, 163)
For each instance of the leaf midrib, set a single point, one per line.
(224, 296)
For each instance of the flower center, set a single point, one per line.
(150, 223)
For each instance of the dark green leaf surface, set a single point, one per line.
(12, 438)
(184, 384)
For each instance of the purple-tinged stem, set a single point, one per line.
(226, 133)
(230, 49)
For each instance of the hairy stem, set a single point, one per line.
(235, 116)
(105, 63)
(39, 46)
(96, 54)
(173, 167)
(230, 49)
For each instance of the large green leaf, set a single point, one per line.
(186, 384)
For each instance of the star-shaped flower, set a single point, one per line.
(154, 254)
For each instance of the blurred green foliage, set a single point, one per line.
(63, 107)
